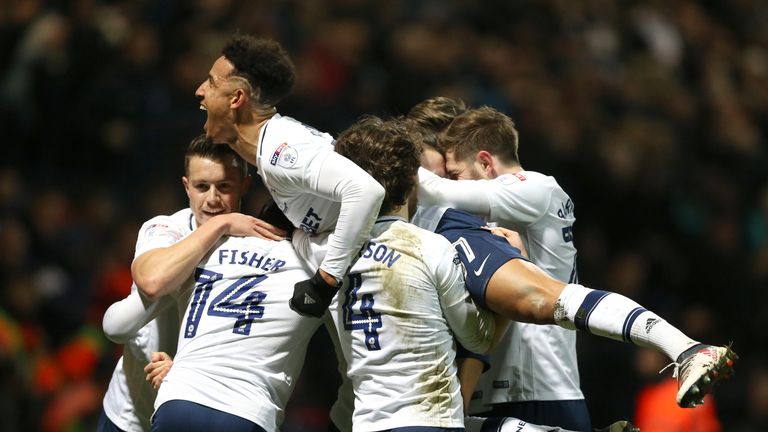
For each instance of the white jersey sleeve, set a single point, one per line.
(317, 189)
(164, 231)
(124, 318)
(504, 198)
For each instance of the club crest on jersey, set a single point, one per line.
(285, 156)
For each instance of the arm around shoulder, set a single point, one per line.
(158, 272)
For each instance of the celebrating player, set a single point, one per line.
(403, 302)
(215, 179)
(240, 347)
(481, 144)
(534, 372)
(317, 189)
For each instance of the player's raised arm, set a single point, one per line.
(360, 196)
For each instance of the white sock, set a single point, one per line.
(612, 315)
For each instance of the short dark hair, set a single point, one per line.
(203, 147)
(264, 64)
(479, 129)
(385, 150)
(435, 114)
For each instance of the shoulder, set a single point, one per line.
(287, 142)
(528, 183)
(181, 220)
(434, 247)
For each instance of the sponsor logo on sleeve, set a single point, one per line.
(157, 228)
(162, 230)
(284, 156)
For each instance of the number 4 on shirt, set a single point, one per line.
(368, 320)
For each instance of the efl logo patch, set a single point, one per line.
(157, 228)
(285, 156)
(162, 230)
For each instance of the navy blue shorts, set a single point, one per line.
(332, 428)
(567, 414)
(181, 415)
(481, 252)
(424, 429)
(105, 424)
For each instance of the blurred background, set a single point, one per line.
(651, 114)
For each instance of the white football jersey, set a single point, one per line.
(396, 315)
(241, 347)
(129, 400)
(308, 180)
(533, 362)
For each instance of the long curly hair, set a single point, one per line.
(385, 150)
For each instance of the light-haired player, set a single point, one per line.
(317, 189)
(481, 151)
(215, 179)
(434, 115)
(402, 303)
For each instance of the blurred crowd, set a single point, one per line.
(651, 114)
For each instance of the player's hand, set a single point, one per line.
(242, 225)
(158, 368)
(312, 296)
(512, 237)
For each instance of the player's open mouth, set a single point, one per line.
(203, 108)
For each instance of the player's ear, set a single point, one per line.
(238, 99)
(185, 182)
(485, 160)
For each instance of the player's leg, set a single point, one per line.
(181, 415)
(697, 366)
(522, 291)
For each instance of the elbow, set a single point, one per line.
(484, 346)
(114, 333)
(375, 192)
(150, 288)
(380, 192)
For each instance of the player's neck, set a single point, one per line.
(502, 169)
(248, 132)
(401, 211)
